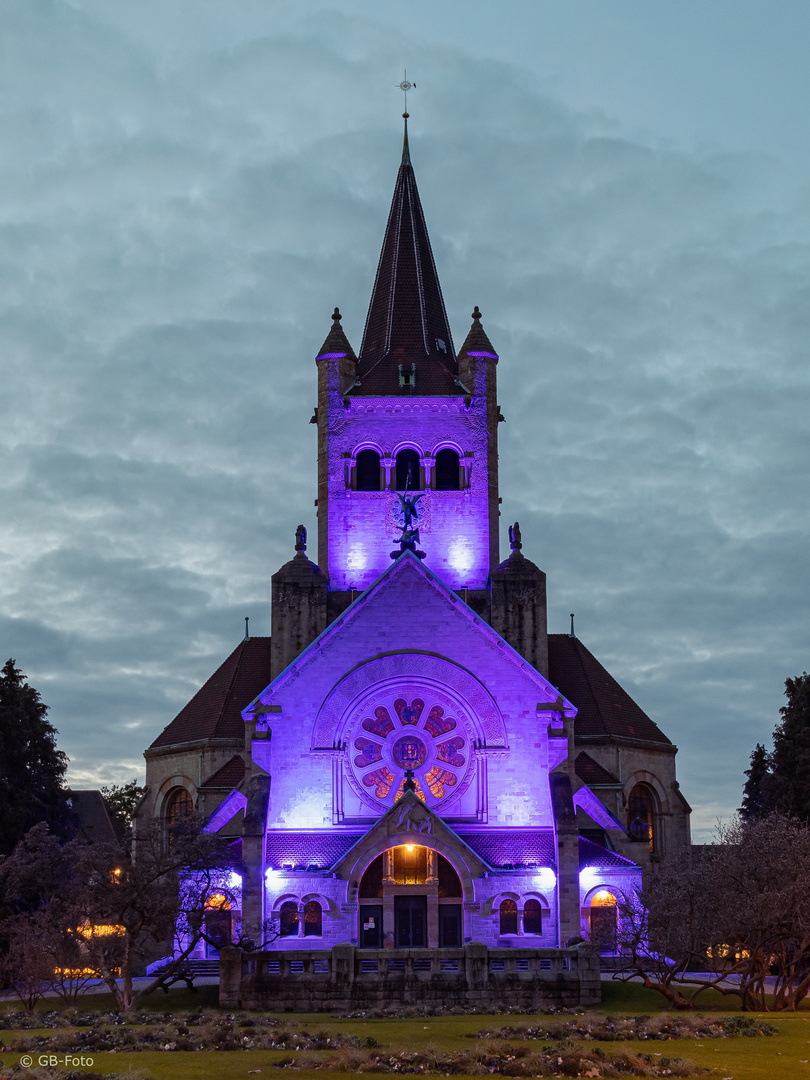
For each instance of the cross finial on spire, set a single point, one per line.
(405, 86)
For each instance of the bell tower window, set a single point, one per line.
(408, 471)
(447, 471)
(368, 470)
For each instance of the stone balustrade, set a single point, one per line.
(348, 977)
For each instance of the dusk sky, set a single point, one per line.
(189, 187)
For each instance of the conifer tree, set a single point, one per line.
(779, 780)
(756, 788)
(32, 769)
(790, 760)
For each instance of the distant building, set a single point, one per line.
(412, 760)
(93, 820)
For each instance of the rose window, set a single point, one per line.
(403, 737)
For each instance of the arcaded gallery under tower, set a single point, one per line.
(411, 761)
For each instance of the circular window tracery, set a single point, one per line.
(401, 735)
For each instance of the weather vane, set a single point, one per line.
(405, 86)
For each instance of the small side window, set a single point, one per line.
(313, 919)
(532, 917)
(288, 919)
(509, 917)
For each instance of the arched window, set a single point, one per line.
(408, 471)
(313, 919)
(368, 470)
(179, 805)
(532, 917)
(509, 920)
(288, 919)
(447, 471)
(218, 924)
(641, 816)
(602, 919)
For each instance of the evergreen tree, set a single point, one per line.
(32, 770)
(779, 782)
(756, 789)
(790, 760)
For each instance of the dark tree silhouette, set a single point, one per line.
(779, 780)
(32, 770)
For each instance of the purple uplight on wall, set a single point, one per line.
(453, 521)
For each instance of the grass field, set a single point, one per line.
(785, 1055)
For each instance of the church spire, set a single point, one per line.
(407, 346)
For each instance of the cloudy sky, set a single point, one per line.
(188, 188)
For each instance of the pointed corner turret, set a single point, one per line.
(298, 607)
(336, 346)
(519, 604)
(477, 342)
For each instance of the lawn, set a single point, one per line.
(786, 1054)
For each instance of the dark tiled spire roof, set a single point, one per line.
(605, 709)
(336, 344)
(476, 342)
(215, 710)
(406, 322)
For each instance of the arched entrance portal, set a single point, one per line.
(410, 897)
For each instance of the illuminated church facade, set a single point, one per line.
(411, 759)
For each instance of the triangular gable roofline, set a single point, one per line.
(408, 561)
(410, 820)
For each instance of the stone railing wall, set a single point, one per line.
(346, 976)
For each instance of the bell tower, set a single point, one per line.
(407, 428)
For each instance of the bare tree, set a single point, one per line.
(736, 920)
(108, 910)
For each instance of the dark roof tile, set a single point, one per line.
(215, 710)
(512, 847)
(95, 823)
(604, 708)
(591, 854)
(230, 775)
(406, 322)
(322, 848)
(591, 772)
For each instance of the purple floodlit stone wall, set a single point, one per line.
(497, 707)
(481, 912)
(363, 525)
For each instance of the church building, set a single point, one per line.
(411, 760)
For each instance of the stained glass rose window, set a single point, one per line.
(402, 734)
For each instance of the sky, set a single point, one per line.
(188, 189)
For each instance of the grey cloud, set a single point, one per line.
(178, 223)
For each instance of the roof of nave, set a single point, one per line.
(593, 854)
(406, 322)
(513, 847)
(604, 708)
(230, 775)
(590, 772)
(215, 710)
(321, 847)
